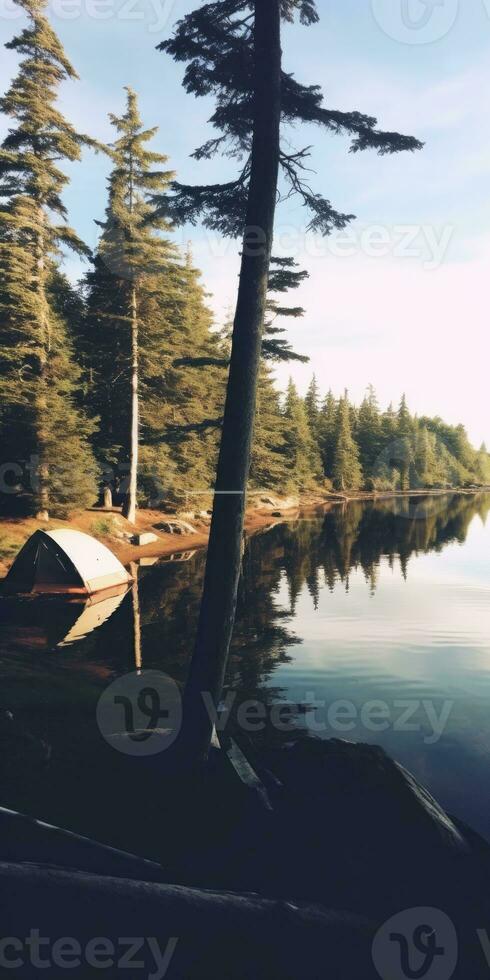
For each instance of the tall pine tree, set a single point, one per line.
(312, 406)
(327, 433)
(303, 456)
(404, 446)
(133, 282)
(369, 432)
(347, 473)
(41, 426)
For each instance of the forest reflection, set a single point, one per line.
(56, 658)
(322, 554)
(280, 563)
(153, 625)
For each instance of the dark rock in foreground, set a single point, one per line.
(306, 888)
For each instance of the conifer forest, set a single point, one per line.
(120, 379)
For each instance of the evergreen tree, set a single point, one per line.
(369, 433)
(182, 408)
(131, 271)
(384, 475)
(404, 446)
(38, 387)
(328, 433)
(312, 405)
(389, 423)
(425, 457)
(271, 462)
(404, 419)
(347, 473)
(459, 445)
(304, 462)
(179, 409)
(482, 466)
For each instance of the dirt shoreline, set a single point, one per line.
(15, 531)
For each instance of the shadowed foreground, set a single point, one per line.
(297, 890)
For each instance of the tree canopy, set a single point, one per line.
(215, 41)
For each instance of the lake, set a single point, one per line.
(375, 617)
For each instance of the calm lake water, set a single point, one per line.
(375, 615)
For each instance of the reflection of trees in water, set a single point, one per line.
(360, 535)
(308, 554)
(279, 566)
(261, 636)
(53, 691)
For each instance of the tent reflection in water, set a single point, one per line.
(52, 622)
(65, 562)
(95, 613)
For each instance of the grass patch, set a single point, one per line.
(103, 526)
(9, 547)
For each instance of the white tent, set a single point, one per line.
(65, 561)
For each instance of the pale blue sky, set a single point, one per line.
(402, 302)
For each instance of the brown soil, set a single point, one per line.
(15, 531)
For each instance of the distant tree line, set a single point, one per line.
(352, 448)
(121, 380)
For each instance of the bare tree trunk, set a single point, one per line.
(41, 474)
(129, 508)
(218, 606)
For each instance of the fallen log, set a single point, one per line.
(203, 934)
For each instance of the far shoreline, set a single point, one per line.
(276, 511)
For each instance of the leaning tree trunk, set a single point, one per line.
(218, 606)
(129, 508)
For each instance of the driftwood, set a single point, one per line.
(24, 839)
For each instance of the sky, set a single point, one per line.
(398, 301)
